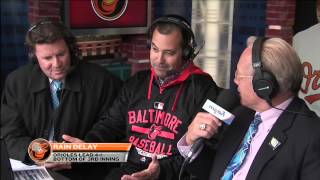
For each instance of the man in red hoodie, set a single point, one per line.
(155, 107)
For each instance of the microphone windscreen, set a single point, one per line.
(228, 100)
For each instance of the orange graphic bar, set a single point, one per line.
(90, 146)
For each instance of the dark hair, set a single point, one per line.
(170, 23)
(47, 31)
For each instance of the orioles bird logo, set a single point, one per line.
(154, 131)
(109, 10)
(39, 150)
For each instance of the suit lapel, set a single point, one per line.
(274, 141)
(38, 81)
(230, 143)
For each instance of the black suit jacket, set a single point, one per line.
(27, 112)
(297, 157)
(26, 108)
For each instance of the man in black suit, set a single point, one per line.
(55, 93)
(286, 144)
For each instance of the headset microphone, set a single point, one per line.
(197, 51)
(189, 44)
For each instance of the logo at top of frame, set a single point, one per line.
(109, 10)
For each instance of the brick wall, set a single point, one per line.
(276, 19)
(39, 9)
(135, 48)
(280, 16)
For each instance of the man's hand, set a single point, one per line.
(71, 139)
(152, 173)
(203, 125)
(56, 166)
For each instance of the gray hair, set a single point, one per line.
(279, 58)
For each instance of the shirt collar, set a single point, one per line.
(50, 80)
(270, 116)
(39, 81)
(174, 74)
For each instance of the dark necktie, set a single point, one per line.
(239, 157)
(56, 95)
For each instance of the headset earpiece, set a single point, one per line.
(264, 83)
(188, 52)
(60, 30)
(265, 86)
(32, 57)
(189, 47)
(149, 42)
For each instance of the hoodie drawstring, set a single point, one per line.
(150, 87)
(174, 107)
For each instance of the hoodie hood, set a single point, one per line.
(190, 70)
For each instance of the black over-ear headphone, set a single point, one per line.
(68, 37)
(189, 46)
(264, 83)
(31, 53)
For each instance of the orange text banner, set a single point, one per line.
(92, 147)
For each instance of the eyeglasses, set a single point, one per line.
(237, 76)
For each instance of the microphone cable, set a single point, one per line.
(285, 110)
(183, 167)
(194, 148)
(294, 112)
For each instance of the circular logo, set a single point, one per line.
(39, 150)
(109, 10)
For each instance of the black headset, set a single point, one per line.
(69, 38)
(264, 82)
(190, 43)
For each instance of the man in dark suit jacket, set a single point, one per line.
(27, 109)
(287, 142)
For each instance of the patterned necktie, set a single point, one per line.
(56, 93)
(239, 157)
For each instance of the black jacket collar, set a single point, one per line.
(39, 81)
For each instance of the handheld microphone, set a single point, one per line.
(226, 101)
